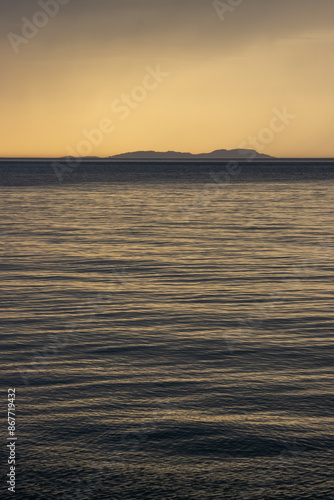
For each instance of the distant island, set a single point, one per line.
(219, 154)
(221, 166)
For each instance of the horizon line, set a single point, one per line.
(117, 158)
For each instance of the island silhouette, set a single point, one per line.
(219, 166)
(218, 154)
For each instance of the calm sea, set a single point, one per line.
(169, 340)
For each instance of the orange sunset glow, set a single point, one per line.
(225, 71)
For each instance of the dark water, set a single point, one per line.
(169, 341)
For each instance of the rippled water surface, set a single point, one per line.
(169, 341)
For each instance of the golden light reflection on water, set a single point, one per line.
(165, 341)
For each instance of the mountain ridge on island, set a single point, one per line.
(219, 154)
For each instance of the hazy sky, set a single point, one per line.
(186, 75)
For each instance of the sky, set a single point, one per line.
(103, 77)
